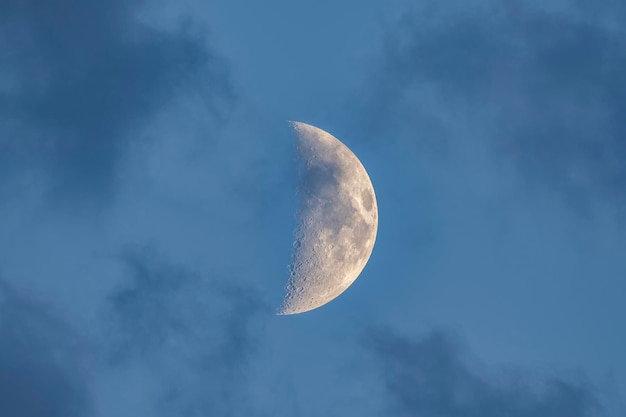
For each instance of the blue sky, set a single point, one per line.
(147, 197)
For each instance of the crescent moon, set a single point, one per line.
(337, 221)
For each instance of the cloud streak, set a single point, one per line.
(193, 335)
(430, 377)
(101, 107)
(81, 78)
(541, 87)
(40, 373)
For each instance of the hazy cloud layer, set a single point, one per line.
(541, 86)
(192, 335)
(40, 372)
(81, 78)
(101, 105)
(431, 377)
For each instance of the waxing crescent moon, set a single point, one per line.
(337, 221)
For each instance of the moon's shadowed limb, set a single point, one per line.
(337, 221)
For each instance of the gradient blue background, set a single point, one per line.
(147, 197)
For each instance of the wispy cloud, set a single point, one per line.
(99, 105)
(195, 335)
(80, 79)
(541, 86)
(431, 377)
(40, 369)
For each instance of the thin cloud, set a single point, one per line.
(541, 87)
(196, 335)
(430, 377)
(40, 374)
(80, 79)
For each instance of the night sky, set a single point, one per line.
(148, 189)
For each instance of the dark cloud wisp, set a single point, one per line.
(197, 333)
(542, 88)
(430, 377)
(82, 79)
(39, 372)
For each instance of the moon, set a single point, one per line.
(337, 221)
